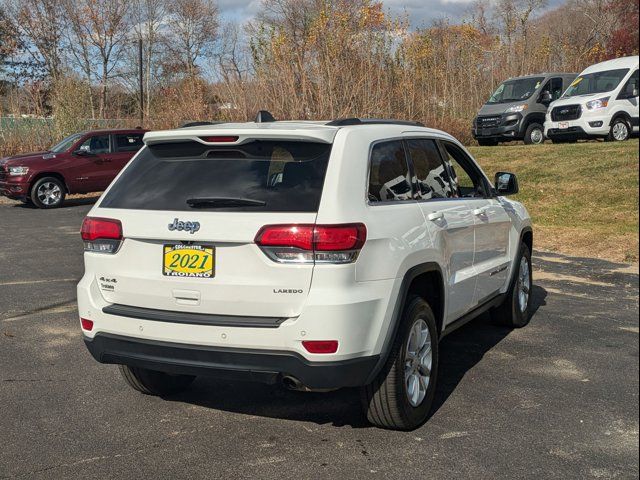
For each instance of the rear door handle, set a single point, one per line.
(435, 216)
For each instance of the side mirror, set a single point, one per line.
(546, 97)
(506, 183)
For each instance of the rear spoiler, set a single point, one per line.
(241, 134)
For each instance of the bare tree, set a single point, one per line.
(41, 23)
(193, 26)
(101, 26)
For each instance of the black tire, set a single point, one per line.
(510, 313)
(487, 142)
(534, 135)
(623, 129)
(385, 401)
(51, 184)
(151, 382)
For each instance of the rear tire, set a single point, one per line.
(487, 142)
(401, 396)
(48, 192)
(620, 131)
(515, 311)
(151, 382)
(534, 134)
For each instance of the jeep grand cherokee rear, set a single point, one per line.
(200, 258)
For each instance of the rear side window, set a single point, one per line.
(128, 142)
(389, 173)
(431, 178)
(260, 176)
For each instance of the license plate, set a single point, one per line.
(197, 261)
(563, 125)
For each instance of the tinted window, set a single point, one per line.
(466, 181)
(128, 142)
(389, 173)
(285, 176)
(431, 179)
(96, 144)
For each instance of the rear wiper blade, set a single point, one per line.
(224, 202)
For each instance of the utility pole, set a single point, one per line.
(140, 80)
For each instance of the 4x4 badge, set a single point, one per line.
(191, 227)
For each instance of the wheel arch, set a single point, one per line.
(40, 175)
(621, 114)
(425, 280)
(533, 117)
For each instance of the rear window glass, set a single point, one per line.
(260, 176)
(129, 143)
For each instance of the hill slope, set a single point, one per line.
(583, 197)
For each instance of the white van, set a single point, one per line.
(602, 102)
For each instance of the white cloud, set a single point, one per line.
(419, 12)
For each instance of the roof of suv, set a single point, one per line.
(300, 129)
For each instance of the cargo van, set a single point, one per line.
(516, 110)
(602, 102)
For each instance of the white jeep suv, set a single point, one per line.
(318, 254)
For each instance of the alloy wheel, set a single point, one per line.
(418, 362)
(49, 193)
(524, 284)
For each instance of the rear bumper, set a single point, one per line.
(243, 364)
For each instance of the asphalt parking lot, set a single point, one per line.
(558, 399)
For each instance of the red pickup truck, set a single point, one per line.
(81, 163)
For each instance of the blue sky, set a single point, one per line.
(419, 12)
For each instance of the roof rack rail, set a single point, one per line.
(264, 116)
(345, 122)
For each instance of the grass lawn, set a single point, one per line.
(583, 197)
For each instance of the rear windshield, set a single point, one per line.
(260, 176)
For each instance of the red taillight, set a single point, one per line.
(102, 235)
(220, 139)
(86, 324)
(297, 236)
(312, 243)
(100, 228)
(320, 346)
(336, 238)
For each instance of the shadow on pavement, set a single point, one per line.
(459, 353)
(68, 203)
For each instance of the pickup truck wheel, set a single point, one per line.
(151, 382)
(47, 192)
(401, 396)
(534, 134)
(515, 312)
